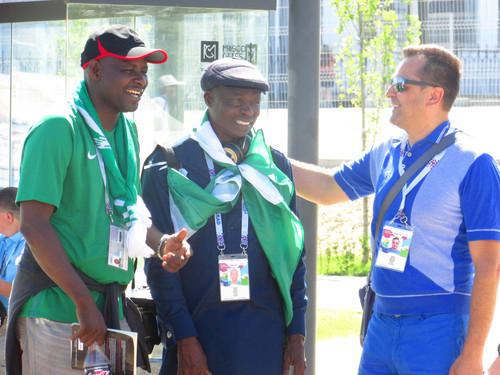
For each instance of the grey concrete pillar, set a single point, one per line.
(303, 115)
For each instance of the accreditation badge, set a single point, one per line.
(234, 279)
(117, 252)
(394, 247)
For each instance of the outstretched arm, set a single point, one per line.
(316, 184)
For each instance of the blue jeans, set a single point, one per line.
(421, 344)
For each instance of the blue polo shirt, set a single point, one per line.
(457, 202)
(10, 250)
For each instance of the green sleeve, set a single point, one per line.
(46, 154)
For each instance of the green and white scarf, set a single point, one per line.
(121, 188)
(126, 206)
(267, 192)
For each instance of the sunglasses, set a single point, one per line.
(399, 83)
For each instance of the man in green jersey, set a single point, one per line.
(81, 211)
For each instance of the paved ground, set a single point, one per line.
(339, 355)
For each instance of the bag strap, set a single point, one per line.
(410, 172)
(172, 161)
(169, 155)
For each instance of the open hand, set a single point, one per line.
(175, 251)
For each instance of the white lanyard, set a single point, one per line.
(109, 209)
(89, 121)
(221, 245)
(424, 172)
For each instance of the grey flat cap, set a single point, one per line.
(233, 73)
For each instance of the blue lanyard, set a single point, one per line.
(221, 244)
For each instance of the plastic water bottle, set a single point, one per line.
(96, 362)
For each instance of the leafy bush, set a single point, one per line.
(347, 261)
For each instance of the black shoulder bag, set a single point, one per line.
(366, 293)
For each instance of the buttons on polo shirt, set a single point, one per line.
(409, 154)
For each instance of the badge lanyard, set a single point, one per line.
(424, 172)
(234, 277)
(395, 242)
(221, 245)
(102, 169)
(109, 209)
(117, 251)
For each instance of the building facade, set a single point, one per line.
(470, 28)
(39, 60)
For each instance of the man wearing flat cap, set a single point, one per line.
(81, 212)
(238, 307)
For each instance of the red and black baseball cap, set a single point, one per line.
(120, 42)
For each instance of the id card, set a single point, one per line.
(117, 253)
(234, 280)
(394, 247)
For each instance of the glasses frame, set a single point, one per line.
(399, 83)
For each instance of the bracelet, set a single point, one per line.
(163, 239)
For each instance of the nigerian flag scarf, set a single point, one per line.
(121, 187)
(267, 192)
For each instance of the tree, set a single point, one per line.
(368, 58)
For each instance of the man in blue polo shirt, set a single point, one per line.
(435, 297)
(11, 247)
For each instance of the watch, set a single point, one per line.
(162, 241)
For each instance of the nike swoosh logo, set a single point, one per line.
(90, 156)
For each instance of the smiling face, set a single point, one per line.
(116, 86)
(408, 106)
(232, 111)
(123, 82)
